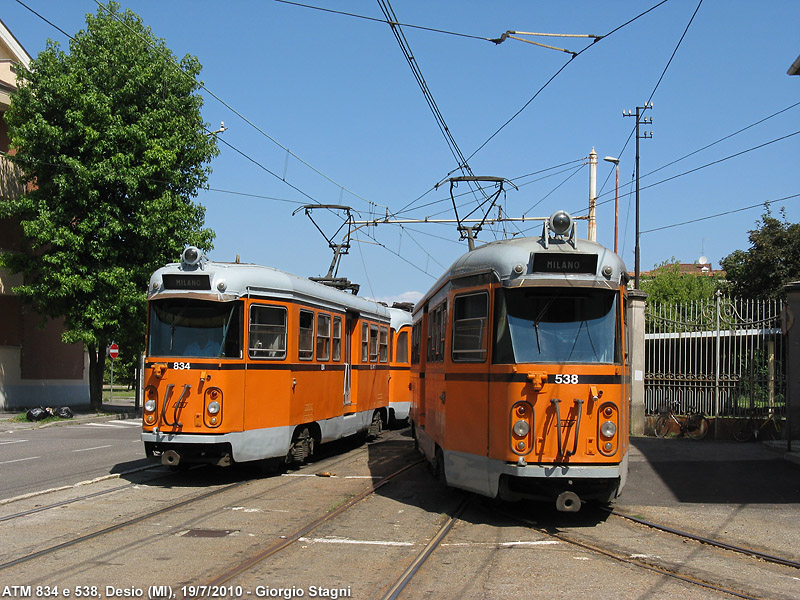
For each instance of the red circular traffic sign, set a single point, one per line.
(113, 351)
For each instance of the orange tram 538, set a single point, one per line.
(520, 379)
(247, 363)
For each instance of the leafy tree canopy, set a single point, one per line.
(110, 139)
(772, 261)
(668, 285)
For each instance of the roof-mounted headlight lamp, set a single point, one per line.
(191, 257)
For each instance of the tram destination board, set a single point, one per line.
(173, 281)
(546, 262)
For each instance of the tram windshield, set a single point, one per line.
(556, 325)
(184, 328)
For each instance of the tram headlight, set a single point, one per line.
(150, 405)
(213, 404)
(560, 222)
(521, 428)
(608, 429)
(520, 423)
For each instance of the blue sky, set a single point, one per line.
(327, 110)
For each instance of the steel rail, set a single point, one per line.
(118, 526)
(399, 585)
(135, 520)
(634, 562)
(38, 509)
(290, 539)
(710, 542)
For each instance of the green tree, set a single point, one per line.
(110, 139)
(772, 261)
(667, 284)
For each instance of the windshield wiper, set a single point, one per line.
(538, 320)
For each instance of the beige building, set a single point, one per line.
(36, 368)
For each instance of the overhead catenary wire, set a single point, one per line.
(722, 214)
(564, 66)
(385, 21)
(249, 122)
(658, 83)
(246, 120)
(703, 166)
(405, 48)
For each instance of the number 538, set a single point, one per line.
(566, 378)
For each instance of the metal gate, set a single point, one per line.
(724, 356)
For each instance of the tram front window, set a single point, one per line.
(555, 325)
(186, 328)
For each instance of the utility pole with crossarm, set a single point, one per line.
(644, 135)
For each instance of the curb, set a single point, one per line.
(116, 415)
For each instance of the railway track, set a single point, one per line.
(748, 561)
(757, 554)
(403, 535)
(171, 518)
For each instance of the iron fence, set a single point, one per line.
(724, 356)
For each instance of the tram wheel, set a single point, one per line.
(438, 466)
(302, 447)
(376, 427)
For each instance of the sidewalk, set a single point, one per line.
(121, 408)
(780, 446)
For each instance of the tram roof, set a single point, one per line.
(230, 281)
(399, 317)
(501, 257)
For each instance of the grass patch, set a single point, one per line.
(22, 418)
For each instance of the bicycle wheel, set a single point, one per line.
(771, 430)
(662, 426)
(742, 430)
(696, 426)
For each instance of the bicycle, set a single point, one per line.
(694, 426)
(753, 428)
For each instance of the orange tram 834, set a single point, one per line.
(246, 363)
(520, 381)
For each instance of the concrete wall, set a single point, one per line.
(791, 329)
(636, 325)
(18, 393)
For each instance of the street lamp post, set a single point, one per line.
(611, 159)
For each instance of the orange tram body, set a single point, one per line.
(520, 382)
(247, 363)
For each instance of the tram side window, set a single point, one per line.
(305, 342)
(433, 333)
(373, 343)
(383, 343)
(442, 332)
(365, 342)
(437, 319)
(323, 336)
(401, 348)
(267, 331)
(416, 335)
(336, 343)
(470, 313)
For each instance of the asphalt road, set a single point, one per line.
(32, 460)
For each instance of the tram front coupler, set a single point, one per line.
(568, 501)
